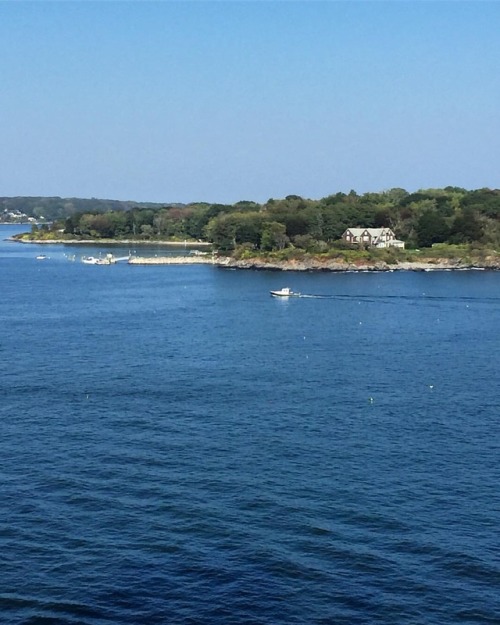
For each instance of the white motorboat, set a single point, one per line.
(285, 292)
(41, 257)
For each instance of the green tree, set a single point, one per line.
(305, 242)
(147, 231)
(221, 231)
(431, 228)
(466, 227)
(248, 227)
(484, 201)
(274, 236)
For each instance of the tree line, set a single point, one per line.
(57, 208)
(448, 215)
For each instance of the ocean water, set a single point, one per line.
(176, 446)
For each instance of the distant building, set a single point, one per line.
(372, 237)
(13, 217)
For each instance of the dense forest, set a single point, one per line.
(450, 215)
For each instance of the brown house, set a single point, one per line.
(372, 237)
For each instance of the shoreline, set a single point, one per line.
(110, 242)
(491, 262)
(346, 267)
(317, 266)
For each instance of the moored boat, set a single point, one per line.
(92, 260)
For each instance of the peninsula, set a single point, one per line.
(449, 228)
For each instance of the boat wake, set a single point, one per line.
(399, 298)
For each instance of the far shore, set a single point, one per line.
(110, 242)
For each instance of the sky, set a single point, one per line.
(227, 101)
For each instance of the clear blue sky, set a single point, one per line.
(227, 101)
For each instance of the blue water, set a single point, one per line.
(76, 251)
(176, 446)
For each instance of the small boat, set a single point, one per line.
(41, 257)
(92, 260)
(285, 292)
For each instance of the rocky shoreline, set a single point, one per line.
(319, 264)
(442, 264)
(490, 262)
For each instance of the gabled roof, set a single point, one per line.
(357, 232)
(374, 232)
